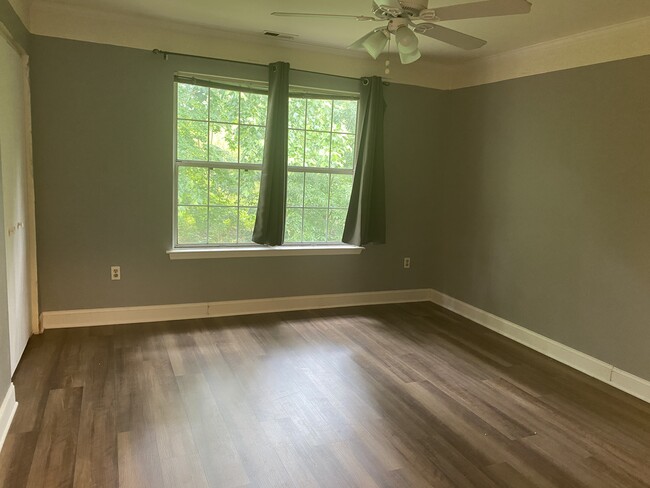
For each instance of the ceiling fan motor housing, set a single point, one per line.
(413, 7)
(427, 14)
(394, 24)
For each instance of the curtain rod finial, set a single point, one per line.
(165, 54)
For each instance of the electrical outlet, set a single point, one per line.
(116, 273)
(407, 263)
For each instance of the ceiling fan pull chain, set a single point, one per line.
(387, 70)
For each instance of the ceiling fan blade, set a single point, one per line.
(449, 36)
(362, 18)
(486, 8)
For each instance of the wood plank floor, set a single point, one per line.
(386, 396)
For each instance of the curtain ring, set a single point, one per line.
(365, 81)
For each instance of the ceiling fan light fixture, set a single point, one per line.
(375, 43)
(407, 41)
(407, 45)
(408, 58)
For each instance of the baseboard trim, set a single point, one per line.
(7, 412)
(578, 360)
(631, 384)
(132, 315)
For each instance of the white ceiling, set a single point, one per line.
(549, 19)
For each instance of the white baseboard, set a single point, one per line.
(589, 365)
(580, 361)
(132, 315)
(631, 384)
(7, 412)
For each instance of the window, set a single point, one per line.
(219, 148)
(321, 159)
(219, 151)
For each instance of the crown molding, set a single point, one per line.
(22, 9)
(83, 24)
(612, 43)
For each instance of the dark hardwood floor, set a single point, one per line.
(385, 396)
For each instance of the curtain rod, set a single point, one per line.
(166, 54)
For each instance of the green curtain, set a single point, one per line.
(269, 221)
(366, 219)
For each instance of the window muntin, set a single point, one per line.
(219, 150)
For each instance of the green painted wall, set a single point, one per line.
(547, 207)
(103, 127)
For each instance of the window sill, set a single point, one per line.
(261, 251)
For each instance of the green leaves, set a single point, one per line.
(340, 189)
(315, 225)
(317, 152)
(224, 187)
(221, 126)
(253, 108)
(246, 224)
(342, 151)
(192, 141)
(297, 112)
(316, 206)
(317, 187)
(223, 225)
(216, 206)
(335, 224)
(293, 225)
(319, 115)
(296, 148)
(252, 145)
(295, 189)
(224, 106)
(192, 102)
(224, 142)
(192, 186)
(192, 225)
(249, 187)
(344, 117)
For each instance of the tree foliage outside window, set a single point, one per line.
(219, 151)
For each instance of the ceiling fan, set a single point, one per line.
(401, 15)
